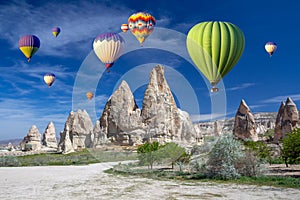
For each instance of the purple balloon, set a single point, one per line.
(29, 40)
(56, 29)
(108, 37)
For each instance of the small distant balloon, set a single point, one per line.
(108, 47)
(29, 44)
(55, 31)
(270, 48)
(124, 28)
(89, 95)
(141, 25)
(49, 79)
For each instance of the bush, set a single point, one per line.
(260, 150)
(250, 165)
(224, 157)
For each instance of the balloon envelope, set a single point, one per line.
(108, 47)
(49, 79)
(29, 44)
(124, 28)
(270, 47)
(89, 95)
(55, 31)
(141, 25)
(215, 47)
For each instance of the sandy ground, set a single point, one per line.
(90, 182)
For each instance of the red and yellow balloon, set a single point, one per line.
(141, 25)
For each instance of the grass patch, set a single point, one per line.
(83, 157)
(157, 174)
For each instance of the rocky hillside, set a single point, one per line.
(281, 122)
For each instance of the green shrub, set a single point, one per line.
(291, 147)
(223, 158)
(260, 150)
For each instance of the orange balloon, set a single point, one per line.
(89, 95)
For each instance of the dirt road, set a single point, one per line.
(90, 182)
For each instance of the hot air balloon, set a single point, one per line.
(215, 47)
(124, 28)
(55, 31)
(49, 79)
(141, 25)
(108, 47)
(29, 44)
(270, 47)
(89, 95)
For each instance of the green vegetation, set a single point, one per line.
(291, 148)
(159, 174)
(260, 150)
(83, 157)
(225, 160)
(151, 153)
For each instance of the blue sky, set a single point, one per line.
(263, 82)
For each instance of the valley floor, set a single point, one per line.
(90, 182)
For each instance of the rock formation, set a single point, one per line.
(49, 136)
(121, 119)
(164, 121)
(286, 119)
(79, 127)
(264, 121)
(244, 124)
(159, 120)
(100, 137)
(65, 145)
(32, 141)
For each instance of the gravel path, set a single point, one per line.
(90, 182)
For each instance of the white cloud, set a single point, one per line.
(19, 114)
(278, 99)
(80, 23)
(240, 87)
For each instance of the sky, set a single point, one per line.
(25, 100)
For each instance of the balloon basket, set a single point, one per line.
(214, 89)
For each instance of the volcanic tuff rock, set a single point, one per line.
(159, 120)
(287, 119)
(121, 120)
(32, 141)
(65, 146)
(100, 137)
(244, 124)
(159, 112)
(49, 136)
(79, 126)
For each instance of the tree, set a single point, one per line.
(174, 153)
(148, 153)
(291, 148)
